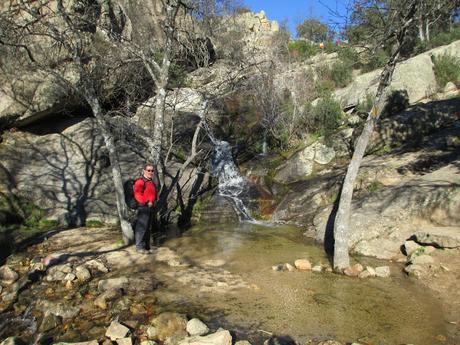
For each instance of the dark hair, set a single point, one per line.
(148, 164)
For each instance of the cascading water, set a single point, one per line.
(231, 183)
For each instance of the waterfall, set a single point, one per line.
(231, 183)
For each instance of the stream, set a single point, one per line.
(299, 305)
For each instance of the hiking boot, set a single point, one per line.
(142, 251)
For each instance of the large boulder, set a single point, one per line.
(381, 222)
(415, 76)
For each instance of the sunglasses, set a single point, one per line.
(149, 170)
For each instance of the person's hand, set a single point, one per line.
(150, 204)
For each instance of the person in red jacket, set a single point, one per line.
(145, 194)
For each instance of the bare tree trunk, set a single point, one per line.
(421, 33)
(126, 228)
(342, 221)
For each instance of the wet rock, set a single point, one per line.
(106, 296)
(7, 275)
(302, 264)
(112, 284)
(382, 272)
(63, 310)
(148, 342)
(243, 342)
(219, 338)
(1, 289)
(196, 327)
(422, 260)
(116, 331)
(83, 274)
(170, 324)
(49, 322)
(330, 342)
(125, 341)
(353, 271)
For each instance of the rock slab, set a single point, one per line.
(444, 237)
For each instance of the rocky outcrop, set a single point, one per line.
(382, 221)
(301, 164)
(418, 68)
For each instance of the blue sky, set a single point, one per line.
(294, 11)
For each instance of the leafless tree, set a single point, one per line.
(397, 30)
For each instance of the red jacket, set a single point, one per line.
(149, 194)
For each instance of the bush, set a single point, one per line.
(376, 61)
(325, 116)
(302, 49)
(341, 74)
(446, 68)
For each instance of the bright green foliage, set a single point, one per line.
(446, 68)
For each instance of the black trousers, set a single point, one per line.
(143, 225)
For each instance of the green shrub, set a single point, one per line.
(375, 61)
(302, 49)
(348, 56)
(341, 74)
(326, 116)
(446, 68)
